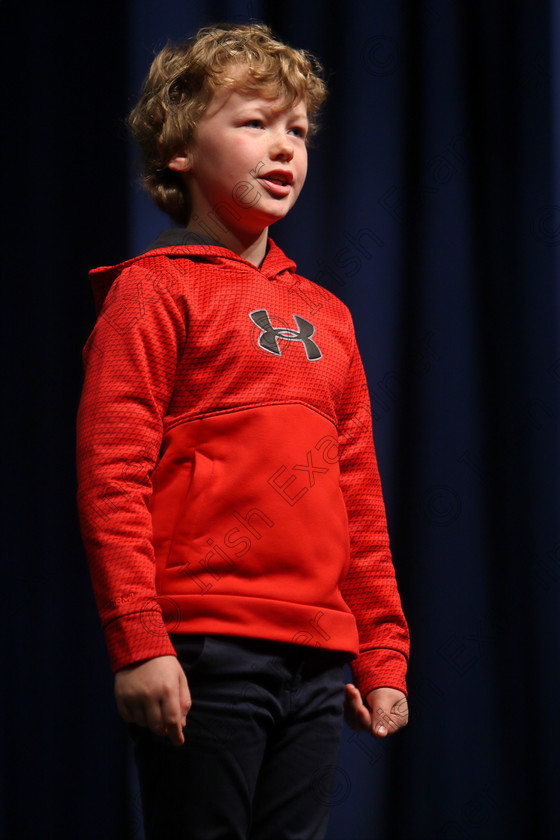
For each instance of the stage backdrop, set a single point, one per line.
(432, 208)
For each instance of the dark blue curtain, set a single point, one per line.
(432, 208)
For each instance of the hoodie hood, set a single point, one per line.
(178, 243)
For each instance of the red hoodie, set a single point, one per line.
(227, 475)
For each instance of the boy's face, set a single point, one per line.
(248, 162)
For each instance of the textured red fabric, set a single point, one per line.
(227, 474)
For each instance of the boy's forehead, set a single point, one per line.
(238, 90)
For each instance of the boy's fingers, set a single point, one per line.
(386, 720)
(356, 714)
(382, 724)
(174, 732)
(184, 697)
(172, 718)
(400, 712)
(353, 696)
(154, 715)
(389, 711)
(132, 712)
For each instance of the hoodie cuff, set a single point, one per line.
(134, 638)
(379, 668)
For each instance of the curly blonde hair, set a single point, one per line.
(181, 82)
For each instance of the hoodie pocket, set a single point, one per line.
(190, 516)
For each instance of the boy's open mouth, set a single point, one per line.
(277, 183)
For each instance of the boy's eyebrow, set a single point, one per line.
(263, 105)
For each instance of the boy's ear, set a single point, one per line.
(181, 162)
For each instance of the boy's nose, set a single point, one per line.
(281, 148)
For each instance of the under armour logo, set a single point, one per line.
(268, 339)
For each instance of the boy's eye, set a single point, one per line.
(298, 131)
(254, 123)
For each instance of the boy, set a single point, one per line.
(228, 490)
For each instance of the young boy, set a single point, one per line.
(229, 496)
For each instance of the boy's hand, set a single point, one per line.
(155, 693)
(386, 710)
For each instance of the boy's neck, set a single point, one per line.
(252, 247)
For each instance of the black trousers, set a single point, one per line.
(261, 744)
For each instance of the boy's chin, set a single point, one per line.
(258, 219)
(276, 213)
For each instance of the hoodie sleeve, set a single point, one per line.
(130, 361)
(370, 587)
